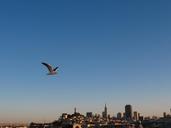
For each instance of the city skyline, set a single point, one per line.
(108, 52)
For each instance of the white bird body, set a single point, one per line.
(52, 71)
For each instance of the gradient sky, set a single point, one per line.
(116, 52)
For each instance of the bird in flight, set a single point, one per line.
(52, 71)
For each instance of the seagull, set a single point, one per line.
(52, 71)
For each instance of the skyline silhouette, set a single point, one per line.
(113, 52)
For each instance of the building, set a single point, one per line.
(89, 114)
(64, 116)
(104, 113)
(119, 115)
(128, 112)
(164, 114)
(75, 110)
(135, 116)
(138, 116)
(141, 118)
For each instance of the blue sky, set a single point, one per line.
(113, 52)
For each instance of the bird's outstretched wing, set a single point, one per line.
(48, 66)
(55, 68)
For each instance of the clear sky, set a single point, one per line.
(116, 52)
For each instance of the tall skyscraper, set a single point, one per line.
(119, 115)
(128, 112)
(164, 114)
(138, 116)
(104, 113)
(135, 117)
(75, 110)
